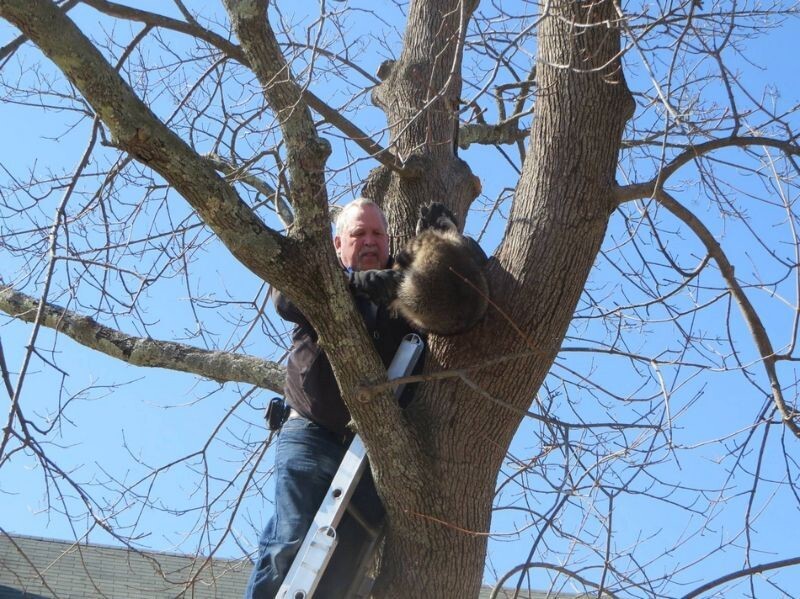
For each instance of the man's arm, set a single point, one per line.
(380, 286)
(286, 309)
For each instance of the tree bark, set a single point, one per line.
(420, 94)
(220, 366)
(562, 204)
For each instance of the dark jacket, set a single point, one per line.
(311, 387)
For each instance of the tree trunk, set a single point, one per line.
(561, 208)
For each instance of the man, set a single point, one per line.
(314, 438)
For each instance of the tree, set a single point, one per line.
(228, 113)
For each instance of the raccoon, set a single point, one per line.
(442, 286)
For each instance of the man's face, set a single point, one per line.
(363, 243)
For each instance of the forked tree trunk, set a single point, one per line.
(561, 208)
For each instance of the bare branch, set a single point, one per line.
(751, 316)
(235, 52)
(306, 151)
(137, 130)
(282, 207)
(741, 574)
(219, 366)
(156, 20)
(487, 134)
(374, 150)
(645, 190)
(14, 45)
(498, 590)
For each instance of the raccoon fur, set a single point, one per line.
(442, 288)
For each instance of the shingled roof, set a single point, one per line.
(37, 568)
(33, 567)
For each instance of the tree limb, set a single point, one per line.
(232, 172)
(491, 135)
(635, 191)
(230, 49)
(754, 323)
(653, 188)
(216, 365)
(156, 20)
(137, 130)
(380, 421)
(14, 45)
(306, 151)
(375, 150)
(741, 574)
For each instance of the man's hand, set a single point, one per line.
(380, 286)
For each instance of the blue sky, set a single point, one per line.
(121, 421)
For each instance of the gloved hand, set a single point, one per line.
(380, 286)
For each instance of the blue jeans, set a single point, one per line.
(306, 458)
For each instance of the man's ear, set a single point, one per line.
(337, 243)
